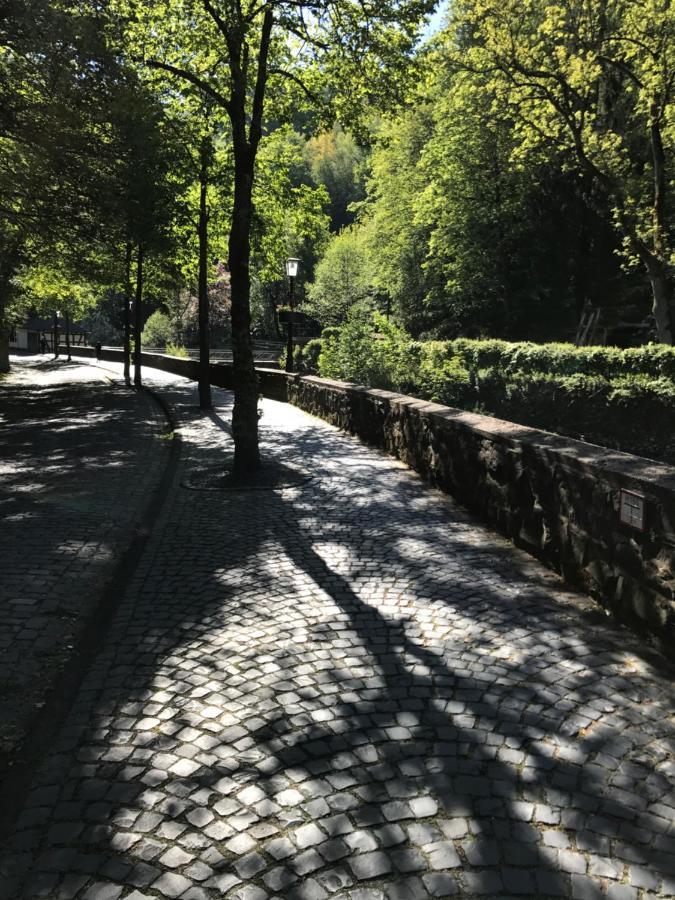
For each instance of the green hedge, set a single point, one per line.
(623, 399)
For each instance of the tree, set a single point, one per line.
(338, 162)
(399, 243)
(158, 330)
(54, 78)
(146, 157)
(366, 46)
(596, 81)
(51, 289)
(344, 278)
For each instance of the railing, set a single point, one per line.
(265, 353)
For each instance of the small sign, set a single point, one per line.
(632, 509)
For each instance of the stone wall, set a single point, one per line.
(555, 497)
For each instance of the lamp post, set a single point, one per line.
(56, 333)
(292, 266)
(68, 334)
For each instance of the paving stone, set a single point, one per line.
(621, 892)
(279, 878)
(308, 836)
(517, 881)
(175, 858)
(280, 848)
(585, 888)
(306, 862)
(241, 843)
(370, 865)
(439, 884)
(409, 889)
(172, 885)
(442, 855)
(408, 860)
(142, 875)
(360, 841)
(66, 890)
(368, 687)
(486, 881)
(199, 817)
(249, 865)
(424, 807)
(102, 890)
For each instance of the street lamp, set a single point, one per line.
(56, 333)
(292, 266)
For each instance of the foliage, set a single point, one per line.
(306, 356)
(619, 398)
(158, 330)
(337, 162)
(592, 82)
(101, 327)
(177, 350)
(398, 242)
(344, 278)
(370, 350)
(55, 80)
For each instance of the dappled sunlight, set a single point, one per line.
(313, 689)
(75, 465)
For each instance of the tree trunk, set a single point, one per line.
(127, 315)
(664, 313)
(204, 335)
(4, 328)
(56, 336)
(245, 412)
(661, 307)
(12, 260)
(138, 319)
(4, 347)
(245, 147)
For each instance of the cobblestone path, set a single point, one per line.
(78, 461)
(349, 689)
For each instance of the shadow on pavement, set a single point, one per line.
(352, 685)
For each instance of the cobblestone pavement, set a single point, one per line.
(349, 689)
(72, 484)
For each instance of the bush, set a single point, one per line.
(371, 351)
(306, 356)
(617, 398)
(177, 350)
(158, 330)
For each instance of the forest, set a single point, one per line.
(493, 177)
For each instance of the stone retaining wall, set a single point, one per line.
(555, 497)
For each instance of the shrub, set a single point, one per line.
(177, 350)
(605, 395)
(306, 356)
(371, 351)
(158, 330)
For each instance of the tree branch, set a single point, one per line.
(255, 131)
(193, 79)
(300, 83)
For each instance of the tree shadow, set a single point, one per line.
(351, 684)
(76, 468)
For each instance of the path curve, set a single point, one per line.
(350, 689)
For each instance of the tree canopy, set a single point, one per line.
(494, 180)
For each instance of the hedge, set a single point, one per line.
(624, 399)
